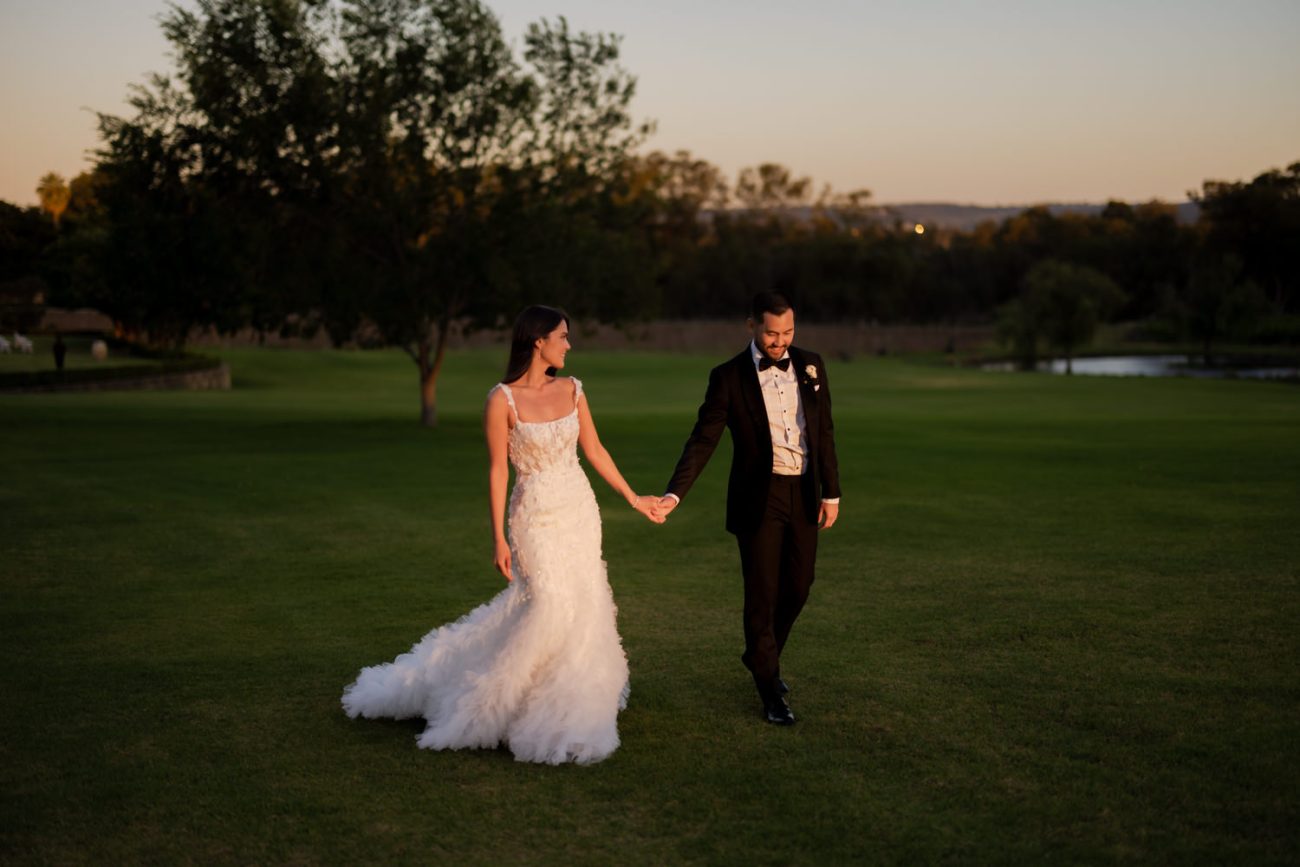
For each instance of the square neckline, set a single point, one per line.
(510, 399)
(569, 414)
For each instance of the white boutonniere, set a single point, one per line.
(811, 372)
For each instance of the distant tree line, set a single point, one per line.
(388, 169)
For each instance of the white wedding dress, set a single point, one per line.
(540, 667)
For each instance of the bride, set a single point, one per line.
(540, 667)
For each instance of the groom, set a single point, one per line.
(784, 484)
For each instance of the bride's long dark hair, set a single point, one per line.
(533, 324)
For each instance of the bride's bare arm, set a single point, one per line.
(496, 428)
(598, 456)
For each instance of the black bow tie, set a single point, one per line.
(764, 363)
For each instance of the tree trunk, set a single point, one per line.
(1069, 365)
(428, 397)
(435, 345)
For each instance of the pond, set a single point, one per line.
(1152, 365)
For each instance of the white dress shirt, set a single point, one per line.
(785, 419)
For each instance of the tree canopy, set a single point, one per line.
(387, 166)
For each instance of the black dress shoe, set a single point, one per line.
(778, 713)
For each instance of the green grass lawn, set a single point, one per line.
(1058, 621)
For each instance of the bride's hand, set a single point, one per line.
(646, 506)
(501, 559)
(664, 505)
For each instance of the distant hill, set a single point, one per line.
(967, 217)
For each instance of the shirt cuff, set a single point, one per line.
(676, 499)
(833, 501)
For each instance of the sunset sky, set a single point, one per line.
(992, 102)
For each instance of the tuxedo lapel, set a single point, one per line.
(807, 394)
(752, 394)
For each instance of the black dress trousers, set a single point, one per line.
(778, 560)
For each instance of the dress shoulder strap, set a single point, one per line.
(577, 389)
(510, 397)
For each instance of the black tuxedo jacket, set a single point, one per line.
(735, 401)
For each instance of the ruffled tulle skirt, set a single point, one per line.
(539, 668)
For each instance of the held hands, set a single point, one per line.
(658, 510)
(663, 506)
(648, 506)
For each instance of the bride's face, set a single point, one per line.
(554, 346)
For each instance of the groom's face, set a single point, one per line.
(774, 334)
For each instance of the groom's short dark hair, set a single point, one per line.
(768, 302)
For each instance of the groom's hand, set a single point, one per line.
(649, 507)
(828, 514)
(664, 506)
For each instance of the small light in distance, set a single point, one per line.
(920, 230)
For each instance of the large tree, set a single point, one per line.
(1218, 302)
(382, 165)
(1076, 299)
(1061, 304)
